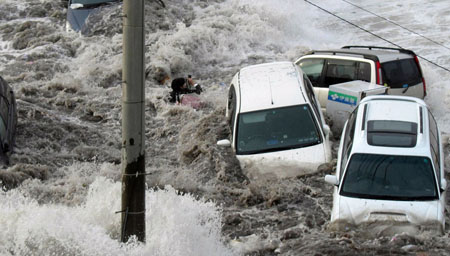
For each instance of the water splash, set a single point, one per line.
(177, 224)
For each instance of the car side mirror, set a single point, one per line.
(332, 179)
(224, 143)
(443, 185)
(326, 129)
(76, 6)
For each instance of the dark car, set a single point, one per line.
(78, 12)
(8, 120)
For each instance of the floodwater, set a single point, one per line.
(63, 186)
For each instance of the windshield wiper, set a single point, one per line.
(406, 89)
(389, 197)
(268, 150)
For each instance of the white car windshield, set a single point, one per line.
(389, 177)
(276, 129)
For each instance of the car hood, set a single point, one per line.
(285, 163)
(357, 211)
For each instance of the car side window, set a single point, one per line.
(313, 69)
(4, 109)
(363, 71)
(347, 141)
(231, 107)
(434, 145)
(340, 71)
(311, 96)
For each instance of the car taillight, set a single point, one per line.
(424, 87)
(378, 72)
(416, 59)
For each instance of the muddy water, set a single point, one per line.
(63, 187)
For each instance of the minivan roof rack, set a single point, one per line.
(334, 52)
(401, 50)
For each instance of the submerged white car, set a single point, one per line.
(390, 166)
(277, 128)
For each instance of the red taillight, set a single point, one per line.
(378, 72)
(424, 87)
(417, 61)
(421, 74)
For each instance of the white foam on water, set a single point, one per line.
(438, 96)
(72, 212)
(424, 20)
(224, 35)
(176, 224)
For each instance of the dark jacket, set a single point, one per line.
(177, 89)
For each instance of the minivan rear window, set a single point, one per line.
(401, 73)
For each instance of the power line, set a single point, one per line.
(395, 23)
(375, 35)
(351, 23)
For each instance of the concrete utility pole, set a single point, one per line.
(133, 135)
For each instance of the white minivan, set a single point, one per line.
(397, 69)
(390, 166)
(277, 128)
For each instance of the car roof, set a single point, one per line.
(392, 108)
(270, 85)
(382, 54)
(388, 110)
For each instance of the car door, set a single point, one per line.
(319, 115)
(325, 71)
(313, 68)
(403, 77)
(340, 70)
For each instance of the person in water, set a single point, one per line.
(183, 85)
(8, 117)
